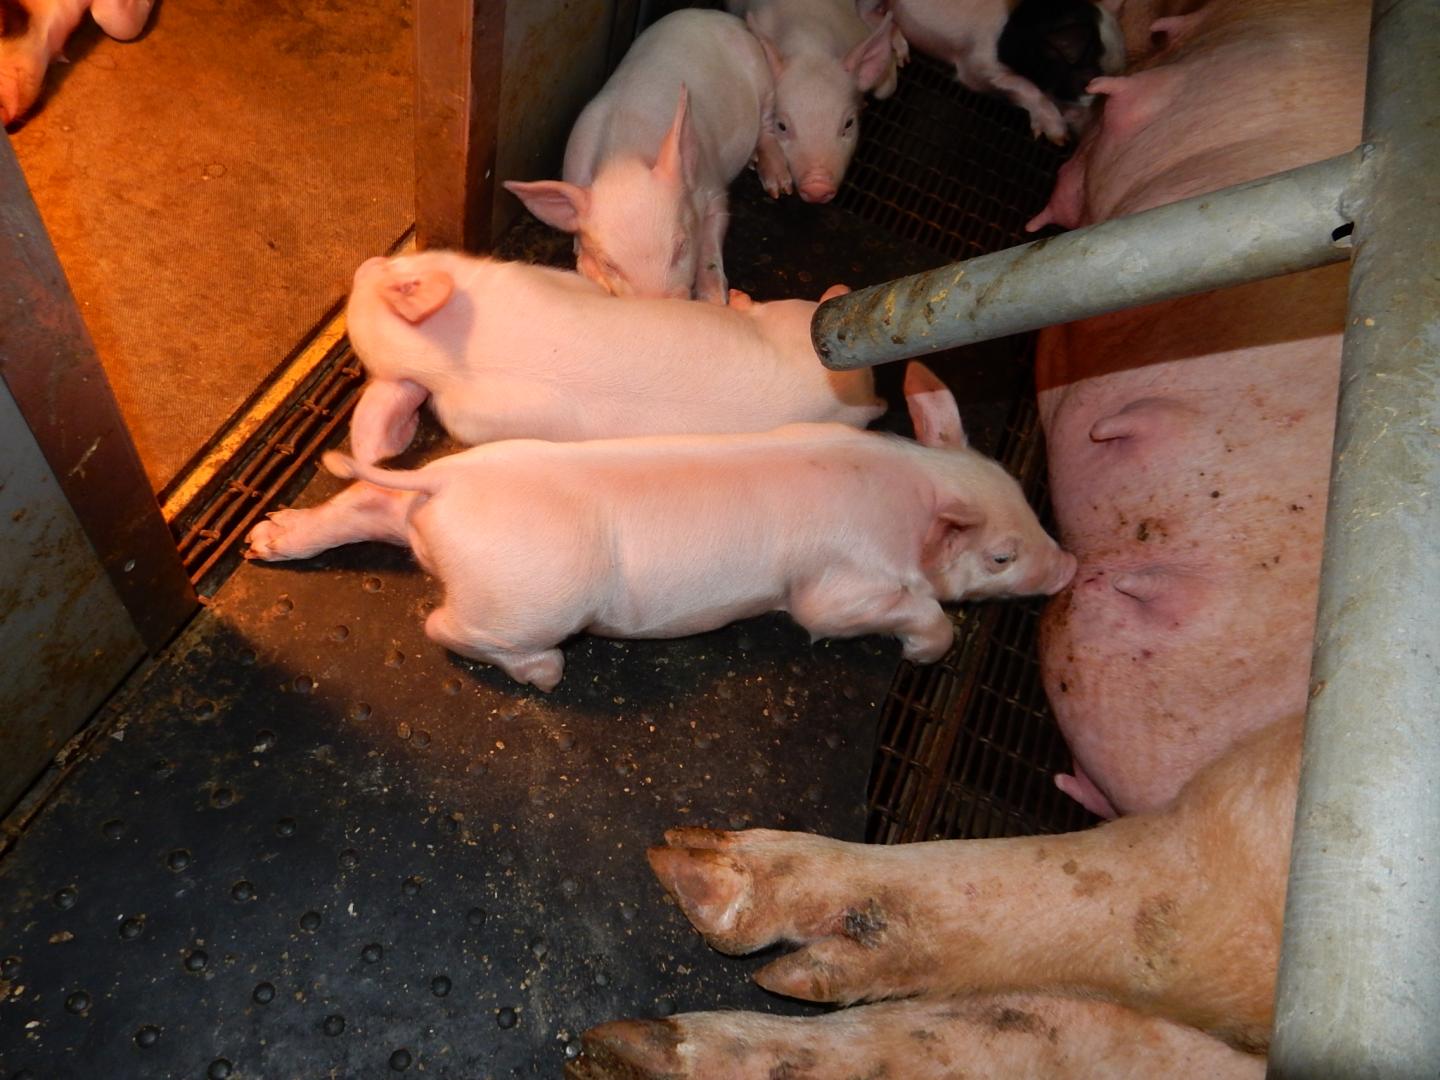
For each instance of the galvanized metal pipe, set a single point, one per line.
(1359, 987)
(1275, 225)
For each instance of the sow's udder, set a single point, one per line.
(1193, 493)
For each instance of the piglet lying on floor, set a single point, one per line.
(512, 351)
(850, 532)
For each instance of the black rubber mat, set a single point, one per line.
(315, 844)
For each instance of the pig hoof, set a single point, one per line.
(710, 888)
(744, 891)
(630, 1050)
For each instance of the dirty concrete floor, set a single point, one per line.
(210, 188)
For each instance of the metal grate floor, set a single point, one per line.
(940, 166)
(968, 746)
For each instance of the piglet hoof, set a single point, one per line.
(629, 1050)
(775, 177)
(266, 541)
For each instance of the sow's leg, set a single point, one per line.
(986, 1035)
(1174, 915)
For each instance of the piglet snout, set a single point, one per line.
(817, 188)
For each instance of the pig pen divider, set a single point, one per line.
(1359, 984)
(1291, 221)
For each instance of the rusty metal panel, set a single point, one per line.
(65, 639)
(459, 48)
(48, 362)
(558, 53)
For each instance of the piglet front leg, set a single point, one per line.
(1045, 118)
(935, 1039)
(769, 161)
(710, 282)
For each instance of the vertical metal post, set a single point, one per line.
(1359, 984)
(49, 364)
(459, 47)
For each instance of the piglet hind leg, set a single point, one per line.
(541, 668)
(360, 512)
(1007, 1035)
(385, 419)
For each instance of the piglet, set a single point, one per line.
(510, 350)
(1041, 54)
(851, 532)
(650, 158)
(824, 59)
(33, 33)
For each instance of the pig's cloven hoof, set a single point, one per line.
(629, 1050)
(744, 891)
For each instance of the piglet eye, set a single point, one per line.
(1001, 560)
(849, 122)
(781, 125)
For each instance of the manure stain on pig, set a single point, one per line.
(866, 926)
(795, 1066)
(1155, 931)
(1018, 1021)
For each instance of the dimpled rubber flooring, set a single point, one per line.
(313, 844)
(318, 845)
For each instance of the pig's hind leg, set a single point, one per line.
(360, 512)
(926, 1039)
(385, 419)
(542, 668)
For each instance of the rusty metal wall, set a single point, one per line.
(65, 639)
(558, 53)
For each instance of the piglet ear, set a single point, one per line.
(932, 409)
(676, 160)
(415, 297)
(951, 534)
(868, 62)
(558, 204)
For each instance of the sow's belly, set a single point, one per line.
(1190, 481)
